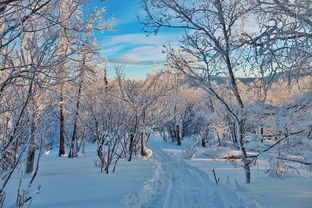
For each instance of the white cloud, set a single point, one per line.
(138, 49)
(147, 50)
(110, 50)
(139, 39)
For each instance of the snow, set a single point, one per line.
(148, 152)
(264, 191)
(163, 180)
(178, 184)
(78, 183)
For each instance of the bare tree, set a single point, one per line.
(106, 119)
(282, 44)
(141, 98)
(211, 46)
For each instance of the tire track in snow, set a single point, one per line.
(179, 185)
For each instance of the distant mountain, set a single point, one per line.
(270, 78)
(222, 80)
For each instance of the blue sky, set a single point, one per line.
(128, 45)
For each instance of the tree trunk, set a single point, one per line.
(105, 81)
(219, 140)
(247, 173)
(241, 122)
(142, 144)
(171, 132)
(177, 134)
(233, 134)
(261, 132)
(131, 147)
(62, 121)
(73, 145)
(32, 144)
(246, 160)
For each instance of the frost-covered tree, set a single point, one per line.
(78, 49)
(142, 98)
(35, 46)
(231, 39)
(211, 46)
(283, 39)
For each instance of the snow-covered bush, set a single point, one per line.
(190, 147)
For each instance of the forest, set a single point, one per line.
(238, 87)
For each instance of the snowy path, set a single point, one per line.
(179, 185)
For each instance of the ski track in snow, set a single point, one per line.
(179, 185)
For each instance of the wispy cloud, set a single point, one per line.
(127, 44)
(138, 49)
(110, 50)
(141, 38)
(147, 50)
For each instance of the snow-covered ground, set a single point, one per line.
(73, 183)
(164, 180)
(264, 191)
(177, 184)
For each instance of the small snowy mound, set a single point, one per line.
(147, 153)
(47, 152)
